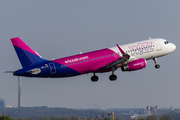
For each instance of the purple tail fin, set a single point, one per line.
(26, 55)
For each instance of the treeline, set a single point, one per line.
(7, 117)
(152, 117)
(38, 112)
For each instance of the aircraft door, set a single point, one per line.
(157, 45)
(52, 68)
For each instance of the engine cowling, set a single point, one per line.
(134, 65)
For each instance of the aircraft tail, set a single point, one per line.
(26, 55)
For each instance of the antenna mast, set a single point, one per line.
(19, 92)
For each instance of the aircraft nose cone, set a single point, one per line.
(173, 47)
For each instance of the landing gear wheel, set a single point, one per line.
(112, 77)
(157, 66)
(94, 78)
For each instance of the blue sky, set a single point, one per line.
(58, 29)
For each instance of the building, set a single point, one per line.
(157, 107)
(2, 103)
(171, 108)
(148, 107)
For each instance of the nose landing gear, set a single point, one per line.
(157, 66)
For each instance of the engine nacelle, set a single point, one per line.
(134, 65)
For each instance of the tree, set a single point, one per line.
(5, 117)
(73, 118)
(118, 118)
(165, 117)
(106, 118)
(141, 119)
(152, 117)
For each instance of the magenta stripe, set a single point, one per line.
(89, 65)
(21, 44)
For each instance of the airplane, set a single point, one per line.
(128, 57)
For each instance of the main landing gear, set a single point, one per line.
(112, 77)
(94, 78)
(157, 65)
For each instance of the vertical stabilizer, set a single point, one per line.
(26, 55)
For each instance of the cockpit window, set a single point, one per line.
(166, 42)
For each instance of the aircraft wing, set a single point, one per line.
(123, 59)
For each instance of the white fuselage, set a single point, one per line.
(147, 49)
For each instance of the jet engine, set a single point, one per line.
(134, 65)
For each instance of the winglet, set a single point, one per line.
(125, 55)
(122, 52)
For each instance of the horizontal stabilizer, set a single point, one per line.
(8, 71)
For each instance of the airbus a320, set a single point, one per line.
(128, 57)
